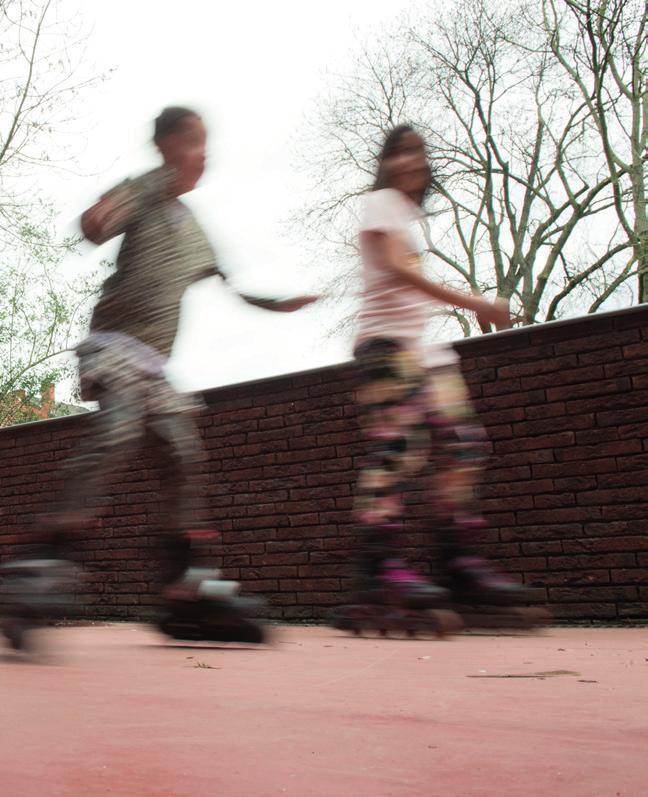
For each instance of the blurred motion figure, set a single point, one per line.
(132, 332)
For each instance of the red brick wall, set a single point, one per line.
(566, 492)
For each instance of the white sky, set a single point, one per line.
(254, 69)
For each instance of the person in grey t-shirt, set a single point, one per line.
(134, 325)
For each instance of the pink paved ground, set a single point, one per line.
(319, 714)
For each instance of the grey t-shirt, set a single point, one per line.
(164, 251)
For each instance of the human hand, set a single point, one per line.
(291, 305)
(497, 313)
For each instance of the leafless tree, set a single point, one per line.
(603, 47)
(525, 204)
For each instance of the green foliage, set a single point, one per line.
(43, 73)
(41, 314)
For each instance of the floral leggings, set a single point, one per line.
(412, 416)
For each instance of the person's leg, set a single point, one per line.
(42, 581)
(186, 479)
(185, 521)
(113, 432)
(391, 397)
(461, 452)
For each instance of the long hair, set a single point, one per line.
(389, 147)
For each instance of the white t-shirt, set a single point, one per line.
(391, 307)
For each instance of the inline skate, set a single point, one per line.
(199, 605)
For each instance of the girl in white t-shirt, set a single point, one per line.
(412, 396)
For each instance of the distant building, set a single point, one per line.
(25, 411)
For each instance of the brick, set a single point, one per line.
(264, 585)
(633, 462)
(543, 547)
(622, 416)
(268, 571)
(593, 593)
(536, 367)
(585, 610)
(306, 455)
(328, 557)
(629, 576)
(556, 440)
(501, 432)
(607, 544)
(577, 483)
(554, 500)
(513, 344)
(554, 410)
(556, 470)
(516, 502)
(611, 448)
(321, 570)
(624, 479)
(321, 598)
(501, 386)
(568, 578)
(601, 356)
(621, 512)
(604, 340)
(237, 561)
(262, 528)
(634, 610)
(281, 558)
(298, 613)
(560, 515)
(591, 561)
(517, 458)
(628, 367)
(527, 487)
(499, 417)
(522, 563)
(310, 585)
(597, 387)
(620, 495)
(521, 399)
(331, 478)
(571, 376)
(502, 475)
(290, 546)
(549, 425)
(633, 350)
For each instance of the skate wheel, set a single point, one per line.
(15, 633)
(447, 622)
(252, 633)
(537, 617)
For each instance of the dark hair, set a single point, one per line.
(389, 147)
(170, 120)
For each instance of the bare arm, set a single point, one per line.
(279, 305)
(107, 217)
(390, 251)
(275, 305)
(112, 214)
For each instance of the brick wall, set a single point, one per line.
(566, 492)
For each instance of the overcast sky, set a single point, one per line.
(255, 70)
